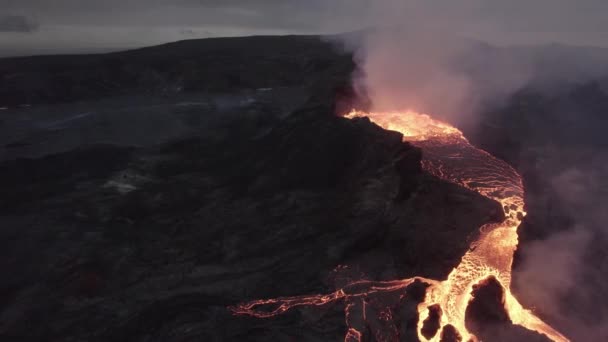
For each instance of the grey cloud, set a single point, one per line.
(17, 23)
(255, 14)
(68, 25)
(515, 15)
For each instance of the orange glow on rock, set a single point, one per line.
(449, 156)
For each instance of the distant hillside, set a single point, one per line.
(227, 64)
(217, 64)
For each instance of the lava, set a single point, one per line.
(449, 156)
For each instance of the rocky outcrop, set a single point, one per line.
(152, 244)
(488, 319)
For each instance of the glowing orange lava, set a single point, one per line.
(449, 156)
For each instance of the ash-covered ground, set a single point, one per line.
(145, 191)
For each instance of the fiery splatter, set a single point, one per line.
(449, 156)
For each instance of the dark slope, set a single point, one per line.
(152, 244)
(217, 65)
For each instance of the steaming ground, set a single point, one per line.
(137, 207)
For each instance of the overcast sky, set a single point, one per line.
(73, 25)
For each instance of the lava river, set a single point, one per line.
(449, 156)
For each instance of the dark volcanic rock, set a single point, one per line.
(488, 305)
(217, 65)
(26, 182)
(111, 243)
(433, 322)
(450, 334)
(155, 243)
(487, 318)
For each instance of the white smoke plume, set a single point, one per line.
(450, 59)
(416, 56)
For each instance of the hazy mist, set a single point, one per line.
(78, 26)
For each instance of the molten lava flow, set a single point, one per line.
(449, 156)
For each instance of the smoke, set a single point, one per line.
(415, 56)
(564, 274)
(552, 270)
(419, 57)
(449, 59)
(411, 72)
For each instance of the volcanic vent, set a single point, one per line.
(449, 156)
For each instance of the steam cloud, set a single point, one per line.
(416, 57)
(564, 274)
(448, 59)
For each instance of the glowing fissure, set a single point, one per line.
(449, 156)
